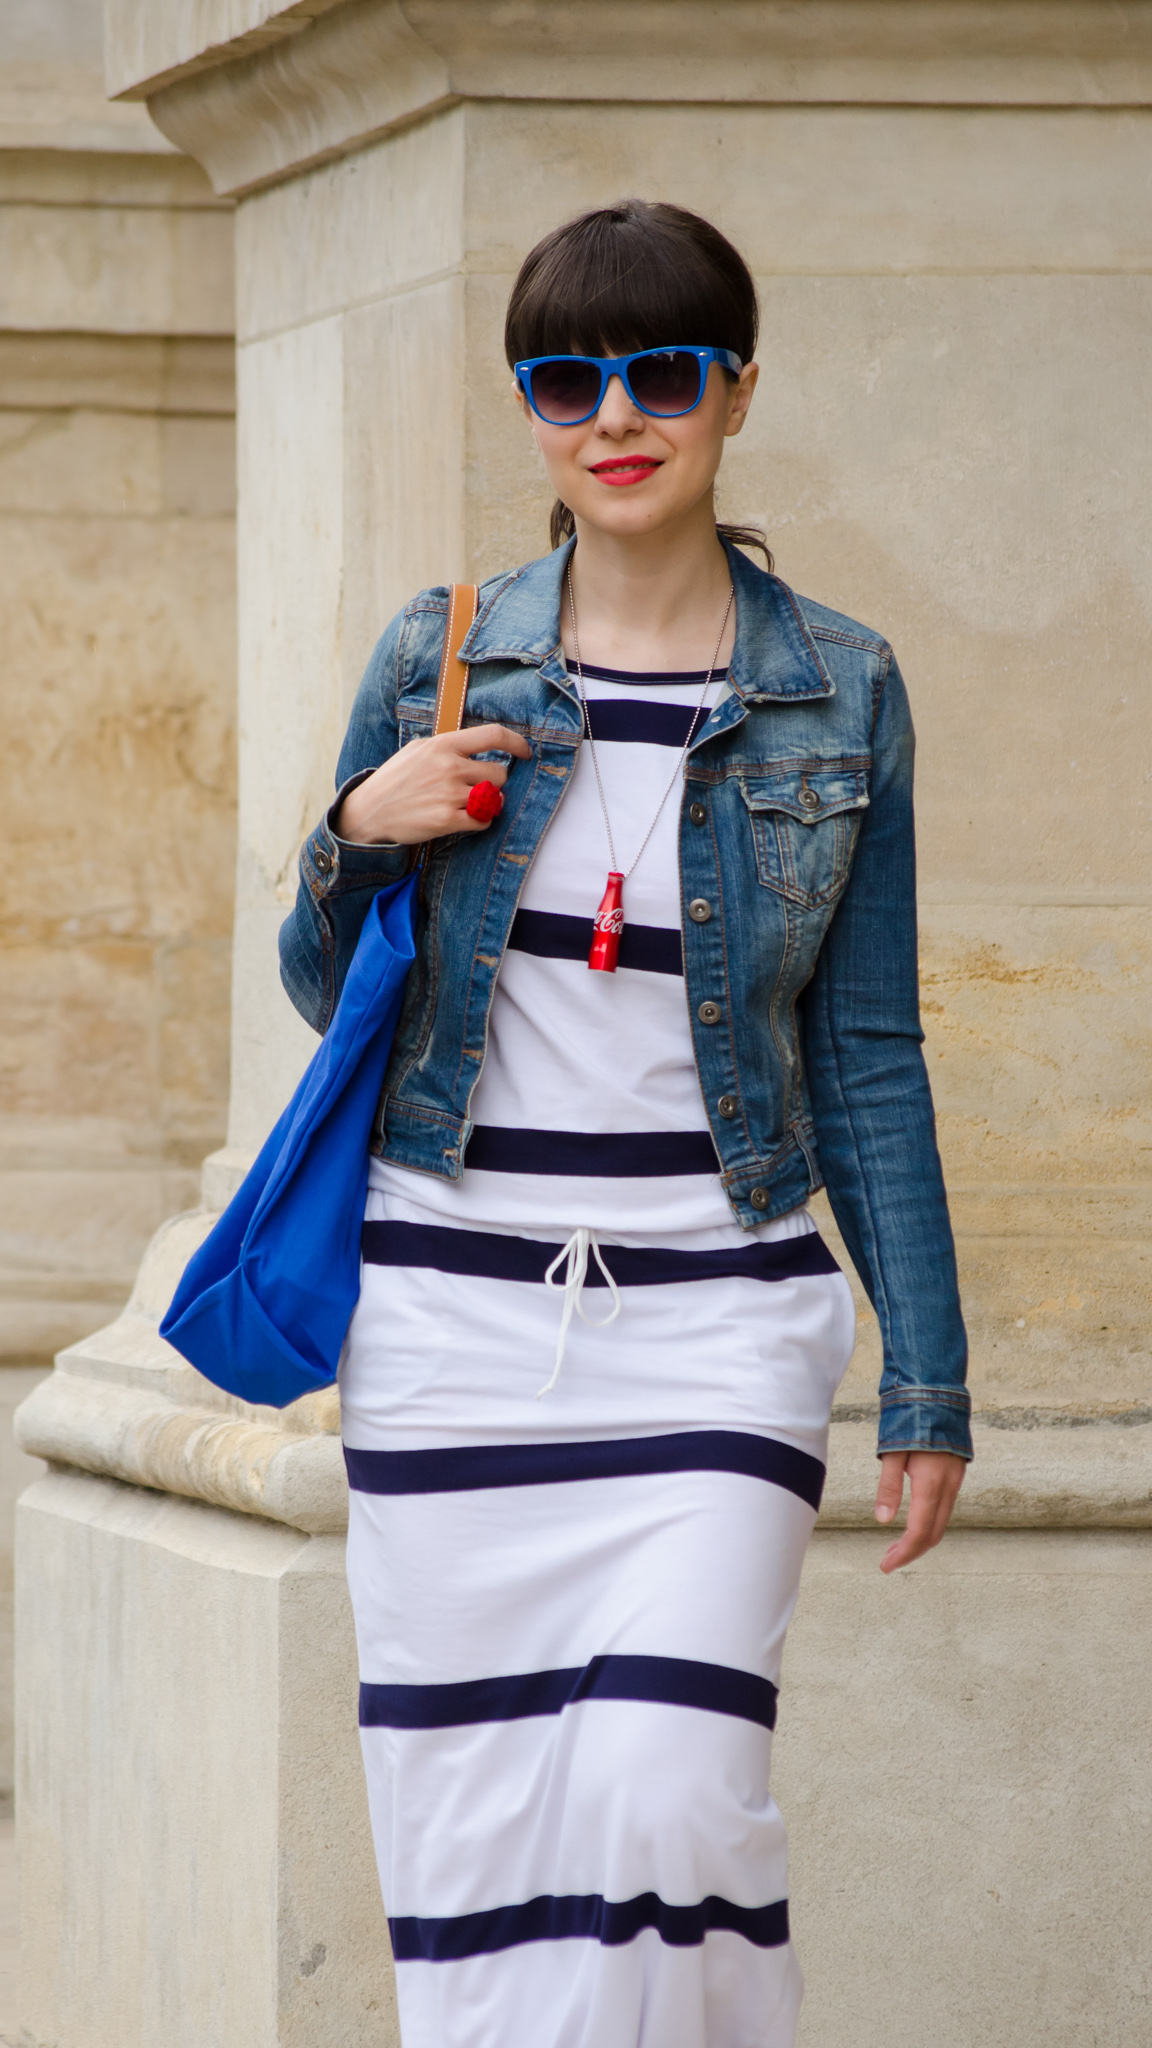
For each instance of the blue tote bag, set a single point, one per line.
(263, 1307)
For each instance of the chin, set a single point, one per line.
(639, 514)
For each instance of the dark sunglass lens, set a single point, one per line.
(667, 381)
(565, 389)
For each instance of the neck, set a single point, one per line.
(650, 600)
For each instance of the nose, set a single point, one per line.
(617, 414)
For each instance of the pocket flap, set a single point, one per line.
(807, 794)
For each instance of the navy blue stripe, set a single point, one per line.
(612, 1922)
(644, 676)
(650, 948)
(468, 1468)
(485, 1255)
(647, 725)
(527, 1695)
(611, 1155)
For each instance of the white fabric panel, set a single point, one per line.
(567, 1994)
(577, 1803)
(541, 1578)
(445, 1358)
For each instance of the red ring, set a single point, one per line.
(485, 802)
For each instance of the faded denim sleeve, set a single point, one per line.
(872, 1106)
(337, 878)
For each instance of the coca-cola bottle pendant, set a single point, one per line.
(607, 926)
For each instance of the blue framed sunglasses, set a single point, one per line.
(665, 382)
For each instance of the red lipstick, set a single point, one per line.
(626, 469)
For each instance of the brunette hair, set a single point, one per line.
(635, 275)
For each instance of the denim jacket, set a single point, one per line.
(797, 872)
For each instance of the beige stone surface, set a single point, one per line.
(17, 1471)
(289, 692)
(52, 85)
(115, 270)
(1088, 51)
(117, 613)
(195, 1855)
(962, 1761)
(9, 1935)
(363, 71)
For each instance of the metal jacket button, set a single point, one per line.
(699, 910)
(759, 1198)
(697, 813)
(709, 1013)
(727, 1105)
(810, 800)
(323, 860)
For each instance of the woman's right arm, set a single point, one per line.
(389, 801)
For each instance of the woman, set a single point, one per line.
(586, 1392)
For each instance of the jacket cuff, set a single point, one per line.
(926, 1419)
(329, 861)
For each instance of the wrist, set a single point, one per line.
(357, 821)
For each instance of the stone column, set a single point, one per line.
(944, 207)
(117, 679)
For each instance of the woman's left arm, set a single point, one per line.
(876, 1135)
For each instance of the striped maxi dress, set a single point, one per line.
(570, 1609)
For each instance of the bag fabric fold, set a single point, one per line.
(263, 1306)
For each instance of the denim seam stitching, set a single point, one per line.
(875, 1263)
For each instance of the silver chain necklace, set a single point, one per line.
(609, 920)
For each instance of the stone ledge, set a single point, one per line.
(260, 92)
(843, 49)
(125, 1433)
(1097, 1476)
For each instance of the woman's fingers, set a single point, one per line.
(890, 1491)
(421, 792)
(935, 1479)
(487, 739)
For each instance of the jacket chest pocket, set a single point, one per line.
(805, 824)
(414, 721)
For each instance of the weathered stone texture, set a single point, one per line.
(206, 1760)
(117, 608)
(1007, 1904)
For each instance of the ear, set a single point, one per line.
(741, 398)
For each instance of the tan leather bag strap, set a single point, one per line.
(452, 686)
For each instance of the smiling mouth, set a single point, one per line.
(626, 469)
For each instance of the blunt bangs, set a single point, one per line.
(640, 274)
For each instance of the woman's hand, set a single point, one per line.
(935, 1479)
(421, 792)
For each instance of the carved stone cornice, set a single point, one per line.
(257, 91)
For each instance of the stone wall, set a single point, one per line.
(944, 204)
(117, 621)
(117, 691)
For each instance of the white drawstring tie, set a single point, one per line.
(576, 1252)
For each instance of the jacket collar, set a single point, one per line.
(775, 656)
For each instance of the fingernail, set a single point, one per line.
(884, 1514)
